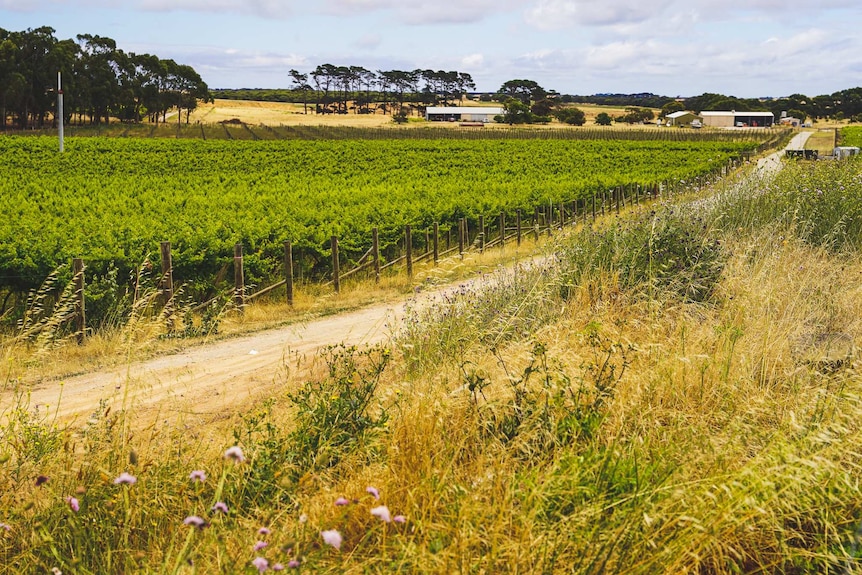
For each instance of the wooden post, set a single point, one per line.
(604, 199)
(594, 206)
(549, 211)
(238, 278)
(408, 243)
(518, 224)
(620, 190)
(481, 234)
(536, 223)
(80, 312)
(336, 271)
(461, 238)
(288, 271)
(436, 242)
(502, 230)
(427, 240)
(375, 253)
(562, 214)
(167, 283)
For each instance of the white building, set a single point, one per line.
(720, 119)
(462, 113)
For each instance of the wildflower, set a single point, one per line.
(263, 531)
(198, 475)
(373, 491)
(332, 537)
(5, 527)
(195, 521)
(261, 564)
(220, 506)
(260, 545)
(41, 480)
(303, 518)
(399, 519)
(73, 504)
(235, 453)
(293, 564)
(342, 501)
(382, 512)
(56, 571)
(125, 478)
(277, 567)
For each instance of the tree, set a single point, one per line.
(525, 91)
(516, 112)
(571, 116)
(300, 82)
(671, 107)
(635, 115)
(543, 107)
(603, 119)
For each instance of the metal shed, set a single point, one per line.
(462, 113)
(681, 118)
(731, 119)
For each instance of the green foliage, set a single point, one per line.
(851, 136)
(603, 119)
(571, 116)
(337, 416)
(636, 115)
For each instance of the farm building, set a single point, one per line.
(462, 113)
(733, 118)
(681, 118)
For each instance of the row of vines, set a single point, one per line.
(111, 201)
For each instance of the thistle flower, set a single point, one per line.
(263, 531)
(373, 491)
(260, 563)
(341, 501)
(5, 527)
(399, 519)
(125, 478)
(260, 545)
(382, 512)
(73, 504)
(235, 453)
(277, 567)
(198, 475)
(332, 537)
(41, 480)
(195, 521)
(293, 564)
(220, 506)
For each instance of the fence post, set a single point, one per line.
(502, 229)
(549, 219)
(238, 278)
(375, 253)
(620, 196)
(288, 271)
(336, 272)
(408, 243)
(536, 222)
(518, 226)
(481, 234)
(436, 242)
(167, 283)
(427, 241)
(461, 238)
(562, 214)
(80, 312)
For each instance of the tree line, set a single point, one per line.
(100, 81)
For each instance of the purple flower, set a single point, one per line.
(125, 478)
(260, 564)
(260, 545)
(342, 501)
(41, 480)
(263, 531)
(235, 453)
(198, 475)
(332, 537)
(278, 567)
(382, 512)
(73, 504)
(399, 519)
(373, 491)
(220, 506)
(5, 527)
(195, 521)
(293, 564)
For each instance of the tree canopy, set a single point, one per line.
(100, 81)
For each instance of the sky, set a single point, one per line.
(743, 48)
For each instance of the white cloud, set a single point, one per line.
(553, 14)
(472, 61)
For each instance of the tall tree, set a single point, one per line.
(300, 83)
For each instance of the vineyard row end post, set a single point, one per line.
(239, 278)
(80, 312)
(167, 284)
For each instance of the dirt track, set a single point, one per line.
(204, 382)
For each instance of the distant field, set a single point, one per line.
(851, 136)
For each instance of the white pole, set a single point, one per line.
(60, 109)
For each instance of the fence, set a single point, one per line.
(463, 237)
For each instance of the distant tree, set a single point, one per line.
(516, 112)
(300, 82)
(525, 91)
(543, 107)
(798, 114)
(635, 115)
(571, 116)
(603, 119)
(671, 107)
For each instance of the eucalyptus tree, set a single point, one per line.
(300, 82)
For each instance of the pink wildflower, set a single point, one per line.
(277, 567)
(220, 506)
(373, 491)
(332, 537)
(195, 521)
(125, 478)
(261, 564)
(235, 453)
(399, 519)
(293, 564)
(198, 475)
(341, 501)
(263, 531)
(73, 504)
(382, 512)
(260, 545)
(5, 527)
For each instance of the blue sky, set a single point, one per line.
(746, 48)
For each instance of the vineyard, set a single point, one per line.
(112, 200)
(851, 136)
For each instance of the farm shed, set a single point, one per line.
(720, 119)
(682, 118)
(462, 113)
